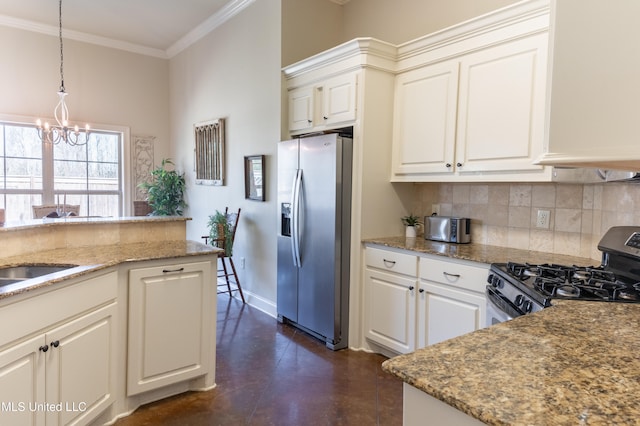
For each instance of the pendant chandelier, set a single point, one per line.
(61, 132)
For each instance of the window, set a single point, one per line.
(33, 173)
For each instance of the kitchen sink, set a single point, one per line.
(14, 274)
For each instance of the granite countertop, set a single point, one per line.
(573, 363)
(478, 252)
(83, 220)
(93, 258)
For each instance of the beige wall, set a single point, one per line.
(504, 214)
(105, 86)
(309, 27)
(234, 73)
(399, 21)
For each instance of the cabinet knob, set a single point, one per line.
(421, 290)
(44, 348)
(55, 343)
(458, 164)
(310, 121)
(411, 288)
(448, 165)
(325, 117)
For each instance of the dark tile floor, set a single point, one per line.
(273, 374)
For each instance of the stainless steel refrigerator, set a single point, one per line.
(314, 207)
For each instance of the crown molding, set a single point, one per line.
(23, 24)
(229, 10)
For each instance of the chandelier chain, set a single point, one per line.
(61, 49)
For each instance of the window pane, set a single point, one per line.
(62, 151)
(19, 206)
(23, 173)
(104, 148)
(104, 205)
(22, 141)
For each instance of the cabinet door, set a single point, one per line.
(22, 377)
(80, 367)
(339, 99)
(168, 324)
(425, 121)
(445, 313)
(390, 310)
(501, 107)
(301, 109)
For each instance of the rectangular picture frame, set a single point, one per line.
(254, 177)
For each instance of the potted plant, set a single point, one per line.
(221, 230)
(165, 192)
(411, 222)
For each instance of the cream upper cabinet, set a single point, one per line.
(326, 104)
(501, 106)
(425, 120)
(470, 100)
(594, 90)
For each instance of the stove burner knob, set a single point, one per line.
(497, 282)
(519, 300)
(527, 306)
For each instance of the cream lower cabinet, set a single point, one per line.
(62, 375)
(414, 301)
(451, 299)
(169, 324)
(390, 290)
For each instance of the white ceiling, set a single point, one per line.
(159, 28)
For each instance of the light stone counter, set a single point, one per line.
(90, 259)
(478, 252)
(570, 364)
(573, 363)
(92, 244)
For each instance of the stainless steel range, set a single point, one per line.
(520, 288)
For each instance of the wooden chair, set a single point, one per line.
(44, 210)
(221, 242)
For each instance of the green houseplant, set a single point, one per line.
(221, 230)
(165, 191)
(411, 222)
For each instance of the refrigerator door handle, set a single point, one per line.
(295, 220)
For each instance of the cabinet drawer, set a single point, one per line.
(392, 261)
(456, 274)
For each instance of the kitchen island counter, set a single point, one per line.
(573, 363)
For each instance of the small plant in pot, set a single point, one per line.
(165, 191)
(220, 232)
(411, 222)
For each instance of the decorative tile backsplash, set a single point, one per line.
(505, 214)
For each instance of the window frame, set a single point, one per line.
(126, 189)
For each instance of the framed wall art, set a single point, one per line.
(254, 177)
(209, 152)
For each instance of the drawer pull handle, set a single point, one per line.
(166, 271)
(389, 263)
(446, 274)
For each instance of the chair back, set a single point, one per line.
(46, 209)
